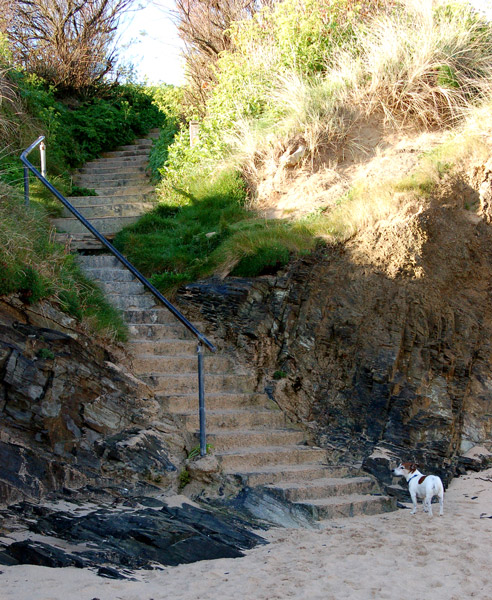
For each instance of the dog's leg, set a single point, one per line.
(441, 503)
(414, 501)
(428, 503)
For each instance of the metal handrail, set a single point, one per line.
(200, 337)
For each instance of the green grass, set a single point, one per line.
(33, 266)
(213, 231)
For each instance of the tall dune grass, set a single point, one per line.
(420, 64)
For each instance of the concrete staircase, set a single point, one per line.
(251, 437)
(123, 190)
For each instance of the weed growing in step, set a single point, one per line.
(195, 452)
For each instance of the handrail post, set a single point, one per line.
(26, 186)
(42, 153)
(201, 401)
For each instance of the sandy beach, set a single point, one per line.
(394, 555)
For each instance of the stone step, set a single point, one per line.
(236, 439)
(151, 331)
(108, 169)
(128, 162)
(126, 301)
(81, 241)
(102, 224)
(127, 190)
(98, 261)
(188, 403)
(187, 383)
(158, 315)
(109, 275)
(245, 459)
(164, 346)
(347, 506)
(240, 419)
(82, 201)
(151, 363)
(325, 487)
(142, 144)
(113, 185)
(282, 473)
(118, 178)
(122, 288)
(113, 209)
(123, 153)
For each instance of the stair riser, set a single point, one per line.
(129, 190)
(188, 383)
(180, 404)
(142, 145)
(169, 347)
(102, 225)
(235, 440)
(105, 169)
(307, 474)
(245, 462)
(371, 506)
(111, 210)
(130, 288)
(243, 420)
(158, 316)
(115, 180)
(81, 202)
(170, 364)
(84, 244)
(124, 302)
(109, 275)
(156, 332)
(99, 261)
(328, 491)
(124, 153)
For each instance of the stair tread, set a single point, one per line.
(322, 481)
(274, 469)
(265, 450)
(342, 499)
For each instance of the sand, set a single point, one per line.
(395, 556)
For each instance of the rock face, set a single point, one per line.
(127, 533)
(382, 344)
(69, 415)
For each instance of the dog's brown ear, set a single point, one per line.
(413, 467)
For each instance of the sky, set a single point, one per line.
(150, 41)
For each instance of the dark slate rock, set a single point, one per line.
(110, 573)
(133, 539)
(29, 552)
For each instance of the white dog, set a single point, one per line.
(421, 486)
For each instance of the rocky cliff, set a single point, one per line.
(69, 415)
(382, 345)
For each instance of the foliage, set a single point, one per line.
(77, 130)
(195, 451)
(203, 26)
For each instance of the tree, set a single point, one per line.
(70, 43)
(203, 26)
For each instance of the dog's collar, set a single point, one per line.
(412, 477)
